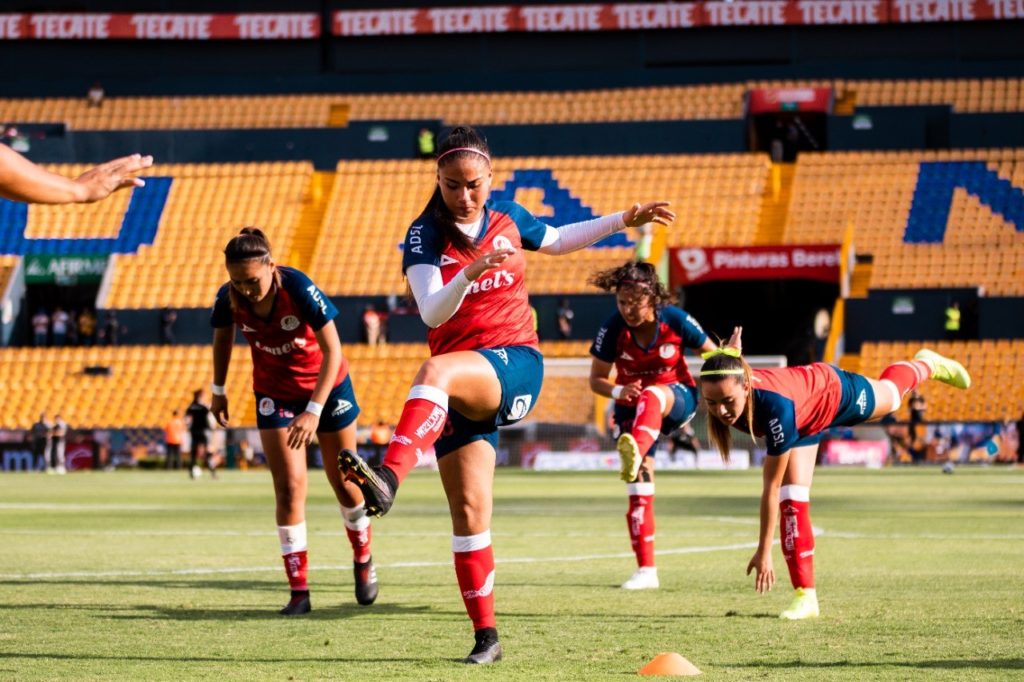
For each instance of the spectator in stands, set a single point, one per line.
(425, 143)
(87, 327)
(485, 368)
(110, 333)
(168, 316)
(96, 94)
(40, 434)
(953, 320)
(59, 326)
(40, 328)
(791, 407)
(565, 317)
(174, 434)
(371, 325)
(654, 394)
(59, 441)
(22, 180)
(16, 141)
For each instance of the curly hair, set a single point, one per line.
(636, 274)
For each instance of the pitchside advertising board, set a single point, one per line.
(497, 19)
(700, 265)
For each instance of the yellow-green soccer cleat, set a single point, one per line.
(805, 605)
(629, 457)
(945, 370)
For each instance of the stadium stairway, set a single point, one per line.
(311, 219)
(775, 205)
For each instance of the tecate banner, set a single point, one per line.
(818, 262)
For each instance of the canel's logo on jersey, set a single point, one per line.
(282, 350)
(318, 297)
(501, 278)
(289, 322)
(343, 407)
(667, 350)
(862, 402)
(502, 242)
(266, 407)
(520, 407)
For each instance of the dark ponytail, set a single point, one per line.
(250, 244)
(467, 143)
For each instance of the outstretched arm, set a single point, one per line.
(576, 236)
(22, 180)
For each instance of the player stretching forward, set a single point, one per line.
(654, 392)
(302, 387)
(791, 407)
(465, 264)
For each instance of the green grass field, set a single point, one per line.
(150, 576)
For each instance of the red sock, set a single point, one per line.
(357, 527)
(474, 568)
(647, 422)
(797, 534)
(640, 520)
(907, 375)
(423, 418)
(296, 566)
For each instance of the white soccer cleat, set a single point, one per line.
(805, 605)
(196, 472)
(645, 578)
(630, 457)
(61, 470)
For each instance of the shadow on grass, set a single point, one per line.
(234, 659)
(221, 613)
(952, 664)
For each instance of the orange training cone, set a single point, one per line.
(669, 663)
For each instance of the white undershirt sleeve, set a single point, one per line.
(576, 236)
(437, 301)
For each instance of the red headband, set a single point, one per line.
(464, 149)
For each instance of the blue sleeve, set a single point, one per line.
(775, 415)
(531, 230)
(686, 326)
(316, 308)
(422, 244)
(221, 315)
(606, 341)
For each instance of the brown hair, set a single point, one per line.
(468, 143)
(249, 244)
(720, 368)
(637, 274)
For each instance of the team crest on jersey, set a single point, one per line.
(343, 407)
(447, 260)
(502, 242)
(667, 350)
(289, 322)
(501, 353)
(520, 406)
(266, 406)
(247, 328)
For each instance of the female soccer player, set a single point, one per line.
(465, 265)
(790, 407)
(302, 388)
(654, 393)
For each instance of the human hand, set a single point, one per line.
(301, 430)
(736, 340)
(653, 212)
(103, 180)
(219, 408)
(630, 392)
(764, 579)
(487, 262)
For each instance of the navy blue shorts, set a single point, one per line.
(857, 402)
(340, 410)
(520, 371)
(683, 409)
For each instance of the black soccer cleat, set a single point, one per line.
(298, 604)
(487, 649)
(366, 582)
(378, 484)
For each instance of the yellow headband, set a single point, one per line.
(724, 350)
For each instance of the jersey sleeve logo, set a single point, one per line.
(318, 298)
(667, 350)
(289, 322)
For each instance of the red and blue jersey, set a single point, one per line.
(496, 309)
(660, 362)
(794, 405)
(286, 357)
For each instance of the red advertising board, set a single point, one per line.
(699, 265)
(869, 453)
(98, 26)
(766, 100)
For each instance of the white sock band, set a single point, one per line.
(471, 543)
(431, 393)
(355, 517)
(797, 493)
(293, 538)
(640, 488)
(897, 399)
